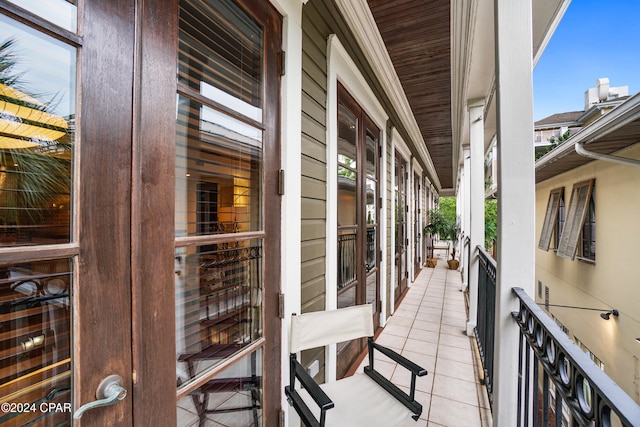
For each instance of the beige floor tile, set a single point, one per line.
(422, 335)
(400, 331)
(455, 353)
(391, 341)
(418, 346)
(459, 370)
(426, 325)
(461, 341)
(400, 321)
(455, 389)
(453, 321)
(451, 413)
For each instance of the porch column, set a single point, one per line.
(516, 193)
(466, 213)
(476, 203)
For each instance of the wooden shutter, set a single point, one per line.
(550, 219)
(580, 196)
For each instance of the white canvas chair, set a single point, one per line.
(364, 399)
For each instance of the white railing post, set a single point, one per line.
(476, 197)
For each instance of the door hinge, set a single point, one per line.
(281, 182)
(281, 306)
(281, 62)
(406, 274)
(379, 150)
(280, 417)
(379, 202)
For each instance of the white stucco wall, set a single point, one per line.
(613, 280)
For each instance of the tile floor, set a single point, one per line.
(428, 328)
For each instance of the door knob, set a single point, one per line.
(109, 391)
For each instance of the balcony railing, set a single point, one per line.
(486, 315)
(346, 257)
(558, 385)
(557, 377)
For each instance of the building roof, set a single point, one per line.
(558, 119)
(617, 130)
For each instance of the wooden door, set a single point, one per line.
(92, 255)
(358, 217)
(67, 210)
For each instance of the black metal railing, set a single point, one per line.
(346, 259)
(486, 316)
(558, 383)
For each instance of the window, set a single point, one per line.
(552, 220)
(559, 223)
(587, 247)
(579, 206)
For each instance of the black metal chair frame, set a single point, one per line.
(297, 371)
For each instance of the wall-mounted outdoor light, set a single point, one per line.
(606, 315)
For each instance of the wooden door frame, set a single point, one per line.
(104, 162)
(153, 287)
(417, 260)
(401, 276)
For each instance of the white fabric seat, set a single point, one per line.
(359, 402)
(362, 400)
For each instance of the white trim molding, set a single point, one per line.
(341, 68)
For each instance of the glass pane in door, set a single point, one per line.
(231, 398)
(35, 342)
(220, 141)
(218, 172)
(37, 119)
(218, 303)
(63, 13)
(347, 206)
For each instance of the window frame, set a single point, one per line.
(589, 221)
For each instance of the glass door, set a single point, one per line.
(417, 232)
(226, 241)
(65, 214)
(358, 204)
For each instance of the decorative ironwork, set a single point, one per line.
(570, 390)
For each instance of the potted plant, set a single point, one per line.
(446, 229)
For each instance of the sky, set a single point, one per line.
(595, 39)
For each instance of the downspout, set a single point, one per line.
(579, 146)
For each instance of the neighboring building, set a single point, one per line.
(586, 220)
(598, 101)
